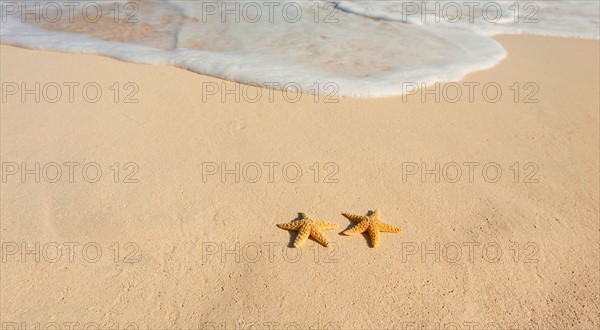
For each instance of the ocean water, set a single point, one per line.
(350, 48)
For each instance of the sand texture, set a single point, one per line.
(183, 245)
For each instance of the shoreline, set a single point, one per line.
(271, 88)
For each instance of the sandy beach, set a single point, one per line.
(157, 198)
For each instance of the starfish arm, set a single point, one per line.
(291, 225)
(358, 229)
(319, 237)
(389, 228)
(302, 235)
(326, 225)
(354, 217)
(374, 235)
(376, 214)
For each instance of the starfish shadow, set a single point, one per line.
(365, 235)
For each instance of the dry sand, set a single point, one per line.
(520, 252)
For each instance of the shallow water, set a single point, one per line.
(365, 48)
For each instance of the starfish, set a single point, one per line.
(308, 226)
(371, 223)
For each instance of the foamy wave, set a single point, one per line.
(354, 8)
(363, 47)
(572, 18)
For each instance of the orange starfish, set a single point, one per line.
(309, 226)
(371, 223)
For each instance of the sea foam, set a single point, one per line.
(362, 48)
